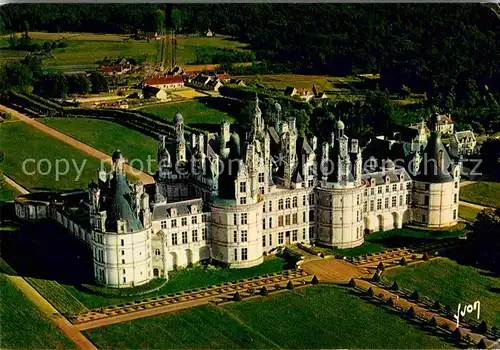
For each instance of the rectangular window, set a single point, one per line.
(456, 184)
(280, 238)
(357, 199)
(454, 214)
(280, 220)
(311, 232)
(163, 224)
(203, 234)
(270, 222)
(303, 234)
(270, 206)
(387, 203)
(204, 218)
(310, 183)
(379, 203)
(261, 177)
(174, 222)
(123, 242)
(407, 199)
(294, 219)
(184, 237)
(455, 196)
(195, 235)
(427, 187)
(243, 187)
(372, 205)
(401, 187)
(311, 199)
(270, 239)
(244, 218)
(365, 206)
(386, 188)
(184, 221)
(380, 190)
(408, 185)
(244, 236)
(294, 236)
(243, 200)
(235, 236)
(236, 255)
(123, 261)
(394, 201)
(372, 191)
(123, 252)
(194, 220)
(174, 238)
(235, 219)
(311, 215)
(400, 200)
(263, 240)
(303, 200)
(124, 279)
(244, 254)
(304, 218)
(394, 187)
(263, 224)
(426, 200)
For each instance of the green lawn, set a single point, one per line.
(107, 137)
(281, 81)
(316, 317)
(7, 193)
(23, 325)
(84, 50)
(20, 142)
(468, 213)
(483, 193)
(184, 280)
(195, 112)
(379, 241)
(451, 284)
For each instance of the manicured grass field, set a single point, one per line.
(281, 81)
(20, 141)
(184, 280)
(85, 49)
(379, 241)
(194, 112)
(468, 213)
(315, 317)
(107, 137)
(451, 284)
(23, 325)
(483, 193)
(7, 193)
(57, 295)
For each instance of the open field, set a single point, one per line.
(379, 241)
(20, 141)
(7, 193)
(483, 193)
(451, 283)
(23, 325)
(107, 137)
(317, 317)
(467, 213)
(195, 112)
(85, 49)
(281, 81)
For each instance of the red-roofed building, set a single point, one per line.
(165, 82)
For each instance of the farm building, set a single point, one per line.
(165, 82)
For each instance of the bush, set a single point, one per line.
(425, 257)
(263, 291)
(395, 286)
(482, 344)
(457, 334)
(290, 285)
(403, 262)
(370, 292)
(390, 302)
(314, 280)
(381, 266)
(352, 283)
(411, 312)
(433, 322)
(436, 305)
(237, 296)
(415, 295)
(375, 277)
(483, 327)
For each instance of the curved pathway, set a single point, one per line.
(144, 177)
(15, 185)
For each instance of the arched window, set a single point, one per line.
(294, 202)
(287, 203)
(280, 204)
(157, 251)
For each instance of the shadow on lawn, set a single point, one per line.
(47, 251)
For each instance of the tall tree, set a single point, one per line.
(176, 18)
(159, 21)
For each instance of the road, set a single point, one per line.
(144, 177)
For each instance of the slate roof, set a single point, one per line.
(164, 211)
(379, 176)
(436, 162)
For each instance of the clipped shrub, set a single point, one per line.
(436, 305)
(457, 334)
(411, 312)
(277, 286)
(290, 285)
(370, 292)
(352, 283)
(314, 280)
(403, 262)
(381, 266)
(395, 286)
(390, 302)
(237, 297)
(433, 322)
(263, 291)
(415, 295)
(375, 277)
(482, 344)
(425, 257)
(483, 327)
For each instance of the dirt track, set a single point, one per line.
(144, 177)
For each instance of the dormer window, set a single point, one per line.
(387, 179)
